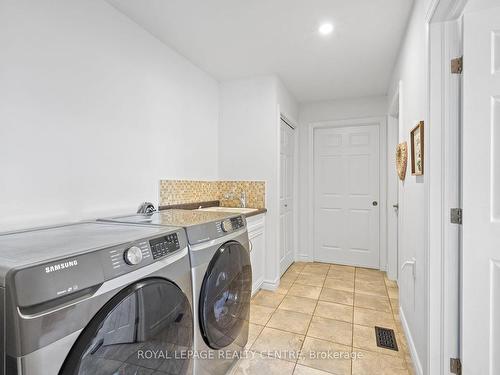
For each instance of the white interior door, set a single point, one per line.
(346, 192)
(287, 156)
(481, 193)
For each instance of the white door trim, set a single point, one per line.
(441, 337)
(382, 123)
(395, 118)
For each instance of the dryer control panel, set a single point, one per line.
(209, 231)
(164, 245)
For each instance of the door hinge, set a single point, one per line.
(457, 65)
(456, 216)
(455, 366)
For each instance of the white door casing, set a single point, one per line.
(287, 158)
(346, 195)
(481, 194)
(394, 120)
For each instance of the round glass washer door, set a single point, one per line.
(225, 295)
(145, 328)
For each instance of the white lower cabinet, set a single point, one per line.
(257, 237)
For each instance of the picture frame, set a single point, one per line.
(417, 149)
(401, 160)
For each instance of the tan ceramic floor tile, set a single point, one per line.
(394, 304)
(320, 265)
(339, 284)
(289, 278)
(384, 364)
(331, 330)
(341, 275)
(254, 331)
(258, 364)
(402, 343)
(304, 370)
(310, 279)
(267, 298)
(342, 268)
(316, 269)
(305, 291)
(279, 344)
(364, 338)
(370, 281)
(290, 321)
(291, 272)
(379, 280)
(337, 296)
(370, 287)
(335, 311)
(373, 318)
(390, 283)
(294, 267)
(339, 364)
(298, 266)
(397, 318)
(360, 271)
(410, 366)
(298, 304)
(284, 286)
(369, 301)
(393, 292)
(260, 314)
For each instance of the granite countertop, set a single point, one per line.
(196, 205)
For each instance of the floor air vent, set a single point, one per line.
(386, 338)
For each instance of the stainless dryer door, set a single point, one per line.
(147, 327)
(225, 295)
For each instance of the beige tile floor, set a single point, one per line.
(325, 308)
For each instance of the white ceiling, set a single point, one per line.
(233, 39)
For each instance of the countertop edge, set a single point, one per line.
(255, 213)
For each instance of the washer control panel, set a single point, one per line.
(230, 225)
(122, 259)
(163, 246)
(133, 256)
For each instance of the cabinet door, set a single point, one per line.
(258, 244)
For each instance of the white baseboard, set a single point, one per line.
(271, 285)
(256, 286)
(413, 351)
(303, 258)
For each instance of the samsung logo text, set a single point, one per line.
(61, 266)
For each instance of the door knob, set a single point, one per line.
(375, 203)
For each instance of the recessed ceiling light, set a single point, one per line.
(325, 28)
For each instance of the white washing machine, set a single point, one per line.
(95, 298)
(222, 282)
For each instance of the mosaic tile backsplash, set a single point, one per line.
(227, 192)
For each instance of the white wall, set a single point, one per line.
(318, 112)
(94, 111)
(412, 193)
(249, 146)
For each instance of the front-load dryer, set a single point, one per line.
(96, 298)
(222, 282)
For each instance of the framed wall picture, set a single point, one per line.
(401, 160)
(417, 149)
